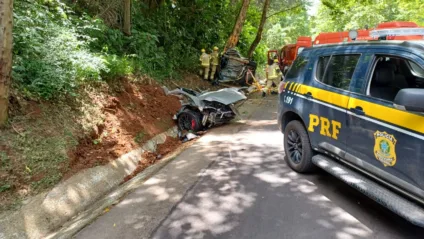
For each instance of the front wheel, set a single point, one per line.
(190, 120)
(298, 148)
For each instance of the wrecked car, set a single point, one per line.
(234, 69)
(202, 110)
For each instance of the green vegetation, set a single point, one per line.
(338, 15)
(62, 45)
(58, 47)
(139, 137)
(42, 142)
(4, 187)
(51, 55)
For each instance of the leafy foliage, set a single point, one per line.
(59, 47)
(50, 56)
(288, 27)
(169, 38)
(284, 24)
(348, 14)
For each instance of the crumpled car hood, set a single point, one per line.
(225, 96)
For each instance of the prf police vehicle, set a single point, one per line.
(356, 110)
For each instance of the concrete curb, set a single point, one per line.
(72, 227)
(48, 211)
(97, 209)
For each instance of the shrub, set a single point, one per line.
(58, 48)
(118, 66)
(50, 57)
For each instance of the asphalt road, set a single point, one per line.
(233, 183)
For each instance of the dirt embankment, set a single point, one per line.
(46, 142)
(133, 116)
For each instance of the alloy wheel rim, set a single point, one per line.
(294, 145)
(185, 122)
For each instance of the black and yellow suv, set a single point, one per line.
(356, 111)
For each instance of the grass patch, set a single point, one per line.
(42, 146)
(5, 187)
(4, 160)
(37, 141)
(47, 181)
(139, 138)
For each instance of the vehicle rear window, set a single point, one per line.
(337, 70)
(297, 67)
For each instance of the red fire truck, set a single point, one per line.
(289, 52)
(384, 31)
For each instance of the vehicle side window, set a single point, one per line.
(337, 70)
(321, 67)
(297, 67)
(392, 74)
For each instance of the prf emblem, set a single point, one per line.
(384, 148)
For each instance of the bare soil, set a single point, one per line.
(133, 116)
(46, 142)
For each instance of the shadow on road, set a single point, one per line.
(249, 192)
(245, 190)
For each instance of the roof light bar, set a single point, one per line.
(397, 32)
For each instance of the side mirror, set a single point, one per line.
(410, 100)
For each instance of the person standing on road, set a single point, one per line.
(215, 62)
(205, 60)
(273, 77)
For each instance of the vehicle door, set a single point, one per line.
(382, 140)
(329, 92)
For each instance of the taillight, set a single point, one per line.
(281, 87)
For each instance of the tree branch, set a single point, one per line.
(285, 10)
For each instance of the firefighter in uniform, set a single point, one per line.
(273, 77)
(205, 60)
(215, 62)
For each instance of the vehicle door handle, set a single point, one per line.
(309, 95)
(357, 110)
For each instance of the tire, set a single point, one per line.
(190, 120)
(297, 147)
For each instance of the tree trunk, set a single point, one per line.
(127, 17)
(258, 37)
(238, 26)
(6, 24)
